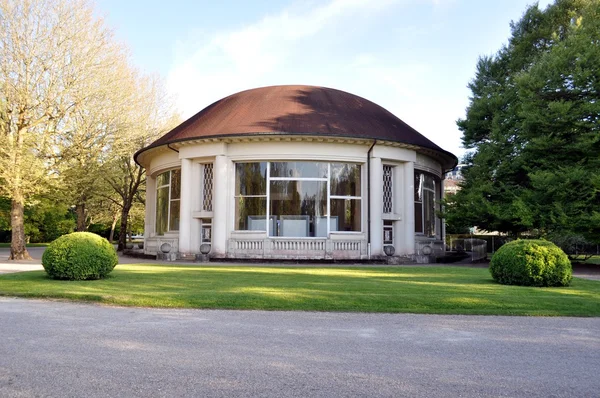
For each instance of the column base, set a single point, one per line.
(202, 258)
(166, 256)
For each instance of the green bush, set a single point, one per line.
(79, 256)
(531, 263)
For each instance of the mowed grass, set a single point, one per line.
(427, 290)
(7, 245)
(593, 260)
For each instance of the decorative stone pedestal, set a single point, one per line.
(202, 258)
(424, 259)
(398, 260)
(166, 256)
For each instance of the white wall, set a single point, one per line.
(225, 154)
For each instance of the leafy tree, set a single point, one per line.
(86, 146)
(72, 114)
(46, 220)
(148, 118)
(52, 53)
(560, 97)
(532, 126)
(4, 213)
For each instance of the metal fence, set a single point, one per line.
(494, 242)
(476, 248)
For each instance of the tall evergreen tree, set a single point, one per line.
(560, 97)
(516, 115)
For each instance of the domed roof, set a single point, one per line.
(298, 110)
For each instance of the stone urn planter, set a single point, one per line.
(389, 250)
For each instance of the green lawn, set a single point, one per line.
(435, 290)
(4, 244)
(593, 260)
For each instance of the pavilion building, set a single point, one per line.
(294, 172)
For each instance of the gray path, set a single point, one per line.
(60, 349)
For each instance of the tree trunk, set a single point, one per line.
(123, 232)
(112, 227)
(18, 251)
(81, 219)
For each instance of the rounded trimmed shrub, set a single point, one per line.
(532, 262)
(79, 256)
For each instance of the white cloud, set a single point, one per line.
(253, 55)
(293, 47)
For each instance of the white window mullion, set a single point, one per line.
(328, 199)
(268, 211)
(169, 204)
(345, 197)
(296, 178)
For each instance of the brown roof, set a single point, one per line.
(298, 110)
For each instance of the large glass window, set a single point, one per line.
(345, 197)
(299, 169)
(298, 199)
(168, 194)
(250, 196)
(297, 206)
(427, 194)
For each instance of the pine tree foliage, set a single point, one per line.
(532, 126)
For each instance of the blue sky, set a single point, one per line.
(413, 57)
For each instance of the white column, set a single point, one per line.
(376, 194)
(443, 221)
(219, 222)
(195, 234)
(409, 209)
(185, 207)
(150, 214)
(398, 205)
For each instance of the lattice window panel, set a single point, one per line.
(387, 189)
(207, 200)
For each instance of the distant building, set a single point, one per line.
(452, 180)
(456, 173)
(451, 187)
(296, 172)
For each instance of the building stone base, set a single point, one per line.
(202, 258)
(166, 256)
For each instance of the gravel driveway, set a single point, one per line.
(59, 349)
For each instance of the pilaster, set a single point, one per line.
(185, 207)
(219, 223)
(408, 246)
(376, 226)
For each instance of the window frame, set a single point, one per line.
(420, 194)
(326, 179)
(170, 200)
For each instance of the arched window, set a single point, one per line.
(168, 194)
(427, 202)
